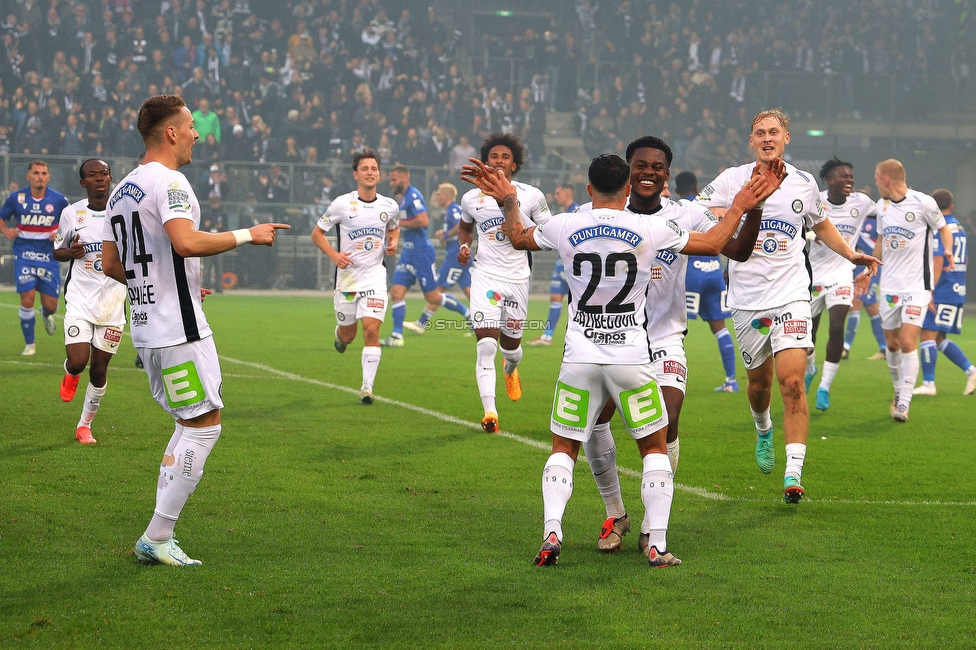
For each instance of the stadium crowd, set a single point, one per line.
(308, 80)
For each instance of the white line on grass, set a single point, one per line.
(701, 492)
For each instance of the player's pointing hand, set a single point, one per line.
(264, 234)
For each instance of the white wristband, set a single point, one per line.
(464, 246)
(242, 235)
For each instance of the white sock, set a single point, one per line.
(909, 375)
(811, 361)
(93, 398)
(657, 492)
(557, 488)
(762, 420)
(673, 451)
(795, 452)
(484, 372)
(601, 454)
(180, 479)
(829, 372)
(371, 363)
(894, 367)
(512, 358)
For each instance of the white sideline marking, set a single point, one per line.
(701, 492)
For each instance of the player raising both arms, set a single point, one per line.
(366, 228)
(94, 312)
(833, 279)
(609, 255)
(770, 293)
(152, 243)
(500, 277)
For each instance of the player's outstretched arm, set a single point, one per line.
(832, 239)
(747, 201)
(188, 242)
(494, 183)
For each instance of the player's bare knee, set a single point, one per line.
(792, 387)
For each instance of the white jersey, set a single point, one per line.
(97, 298)
(164, 288)
(608, 255)
(776, 273)
(361, 229)
(905, 229)
(667, 308)
(495, 256)
(829, 268)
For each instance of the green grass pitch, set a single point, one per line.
(323, 523)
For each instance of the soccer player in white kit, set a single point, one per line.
(770, 293)
(609, 255)
(152, 243)
(906, 221)
(500, 276)
(833, 276)
(366, 229)
(666, 321)
(94, 304)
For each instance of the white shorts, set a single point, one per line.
(763, 333)
(899, 309)
(583, 389)
(351, 306)
(669, 362)
(185, 379)
(496, 304)
(831, 295)
(103, 337)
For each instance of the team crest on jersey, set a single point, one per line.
(854, 212)
(910, 217)
(80, 217)
(384, 216)
(49, 208)
(22, 198)
(798, 206)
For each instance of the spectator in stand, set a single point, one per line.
(205, 121)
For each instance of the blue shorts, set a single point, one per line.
(416, 264)
(871, 297)
(946, 318)
(558, 285)
(705, 296)
(451, 272)
(35, 272)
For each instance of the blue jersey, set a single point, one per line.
(451, 219)
(36, 219)
(411, 205)
(951, 288)
(868, 236)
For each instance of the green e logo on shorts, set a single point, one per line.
(570, 406)
(641, 406)
(182, 385)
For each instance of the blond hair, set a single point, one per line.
(892, 169)
(775, 113)
(449, 190)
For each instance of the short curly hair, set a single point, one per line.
(504, 140)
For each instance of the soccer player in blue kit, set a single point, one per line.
(865, 244)
(944, 316)
(417, 258)
(705, 292)
(557, 285)
(36, 212)
(451, 272)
